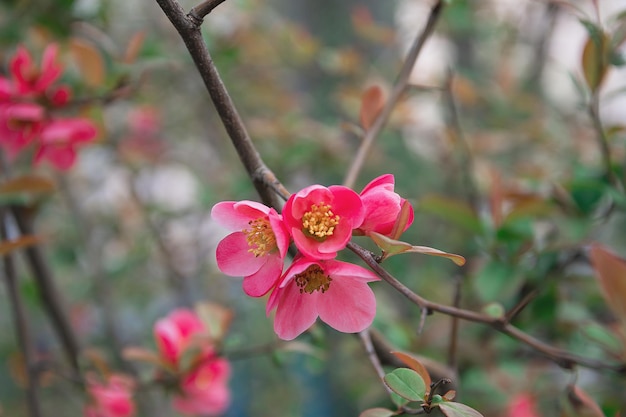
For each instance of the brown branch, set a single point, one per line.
(20, 323)
(563, 358)
(400, 87)
(50, 296)
(200, 11)
(262, 177)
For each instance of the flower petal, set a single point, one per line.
(233, 257)
(235, 215)
(295, 312)
(348, 306)
(259, 283)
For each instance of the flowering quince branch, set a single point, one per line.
(400, 87)
(561, 357)
(188, 27)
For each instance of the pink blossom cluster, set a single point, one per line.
(188, 356)
(29, 102)
(189, 366)
(319, 221)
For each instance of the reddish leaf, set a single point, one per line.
(579, 404)
(140, 354)
(413, 363)
(27, 184)
(377, 412)
(595, 60)
(8, 246)
(372, 102)
(392, 247)
(449, 396)
(611, 274)
(133, 47)
(216, 318)
(452, 409)
(401, 221)
(89, 61)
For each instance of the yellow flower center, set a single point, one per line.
(260, 237)
(313, 279)
(320, 221)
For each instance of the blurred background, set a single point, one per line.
(493, 145)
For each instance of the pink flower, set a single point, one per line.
(522, 405)
(20, 124)
(30, 79)
(176, 333)
(112, 399)
(204, 390)
(256, 249)
(321, 219)
(382, 206)
(59, 139)
(335, 291)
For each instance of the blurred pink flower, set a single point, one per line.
(257, 248)
(522, 405)
(382, 206)
(204, 390)
(30, 79)
(20, 124)
(321, 219)
(335, 291)
(176, 333)
(59, 139)
(111, 399)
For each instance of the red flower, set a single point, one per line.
(30, 79)
(176, 333)
(382, 206)
(335, 291)
(112, 399)
(59, 139)
(522, 405)
(20, 124)
(204, 390)
(257, 248)
(321, 219)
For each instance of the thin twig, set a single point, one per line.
(262, 177)
(366, 339)
(21, 326)
(561, 357)
(178, 281)
(603, 142)
(48, 291)
(400, 87)
(454, 326)
(204, 8)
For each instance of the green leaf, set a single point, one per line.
(496, 281)
(455, 211)
(392, 247)
(377, 412)
(452, 409)
(406, 383)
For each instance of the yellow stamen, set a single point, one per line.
(260, 237)
(313, 279)
(320, 221)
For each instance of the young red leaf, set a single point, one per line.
(416, 365)
(89, 61)
(595, 60)
(457, 259)
(406, 383)
(7, 246)
(134, 353)
(377, 412)
(392, 247)
(27, 184)
(372, 102)
(611, 275)
(401, 222)
(452, 409)
(579, 404)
